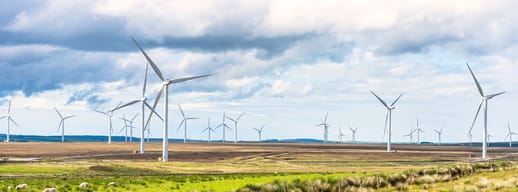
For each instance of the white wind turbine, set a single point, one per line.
(235, 125)
(411, 135)
(326, 126)
(125, 127)
(110, 130)
(130, 125)
(148, 134)
(510, 134)
(388, 118)
(259, 132)
(224, 126)
(184, 122)
(165, 90)
(9, 121)
(354, 133)
(341, 135)
(62, 124)
(439, 133)
(143, 101)
(209, 129)
(418, 130)
(485, 99)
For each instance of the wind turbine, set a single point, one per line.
(388, 118)
(62, 124)
(411, 135)
(354, 133)
(165, 90)
(326, 126)
(235, 125)
(148, 131)
(143, 101)
(125, 127)
(224, 126)
(9, 121)
(485, 99)
(110, 130)
(510, 135)
(209, 129)
(341, 135)
(184, 122)
(439, 133)
(259, 132)
(470, 138)
(418, 129)
(130, 122)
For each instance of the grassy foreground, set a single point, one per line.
(493, 176)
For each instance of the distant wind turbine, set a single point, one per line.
(326, 126)
(110, 129)
(485, 99)
(125, 127)
(184, 122)
(9, 121)
(259, 132)
(354, 133)
(411, 135)
(388, 118)
(165, 90)
(208, 129)
(148, 132)
(341, 135)
(62, 124)
(235, 125)
(510, 134)
(439, 133)
(224, 126)
(417, 130)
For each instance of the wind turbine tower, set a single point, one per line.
(165, 91)
(439, 133)
(510, 134)
(484, 100)
(326, 127)
(354, 133)
(259, 132)
(418, 129)
(236, 121)
(224, 126)
(209, 129)
(62, 124)
(388, 118)
(9, 121)
(184, 122)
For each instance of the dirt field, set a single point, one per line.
(218, 151)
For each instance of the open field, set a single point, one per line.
(216, 166)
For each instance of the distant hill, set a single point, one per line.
(101, 138)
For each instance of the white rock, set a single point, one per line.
(50, 190)
(83, 185)
(21, 186)
(112, 184)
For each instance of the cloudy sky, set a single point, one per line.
(284, 63)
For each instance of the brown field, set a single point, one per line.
(293, 152)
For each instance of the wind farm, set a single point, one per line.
(265, 96)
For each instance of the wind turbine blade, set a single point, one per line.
(3, 117)
(320, 124)
(240, 116)
(230, 119)
(153, 111)
(218, 126)
(9, 108)
(145, 82)
(59, 126)
(325, 118)
(203, 131)
(125, 105)
(153, 65)
(386, 121)
(12, 120)
(507, 136)
(494, 95)
(350, 128)
(179, 80)
(191, 118)
(58, 112)
(509, 127)
(476, 81)
(104, 113)
(155, 103)
(132, 119)
(476, 115)
(395, 101)
(180, 125)
(68, 117)
(381, 100)
(183, 114)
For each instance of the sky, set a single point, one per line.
(284, 63)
